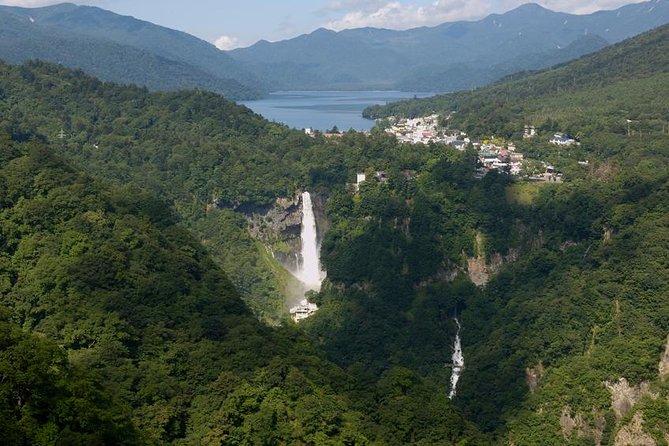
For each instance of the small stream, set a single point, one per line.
(458, 361)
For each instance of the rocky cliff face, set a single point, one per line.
(575, 426)
(534, 376)
(624, 396)
(664, 362)
(633, 434)
(322, 223)
(278, 226)
(479, 270)
(631, 404)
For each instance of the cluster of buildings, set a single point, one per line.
(560, 139)
(549, 175)
(334, 133)
(500, 157)
(491, 155)
(422, 131)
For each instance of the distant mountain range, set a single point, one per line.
(121, 49)
(447, 57)
(593, 96)
(451, 56)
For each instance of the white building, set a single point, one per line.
(360, 178)
(561, 140)
(303, 310)
(529, 132)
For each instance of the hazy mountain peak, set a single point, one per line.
(323, 31)
(533, 7)
(109, 44)
(453, 55)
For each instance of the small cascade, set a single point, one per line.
(309, 269)
(458, 361)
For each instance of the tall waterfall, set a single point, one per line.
(458, 360)
(309, 271)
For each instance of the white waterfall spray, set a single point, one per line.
(458, 360)
(309, 271)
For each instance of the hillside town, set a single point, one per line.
(493, 154)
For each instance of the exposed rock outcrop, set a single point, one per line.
(477, 271)
(534, 375)
(278, 228)
(322, 223)
(664, 362)
(567, 244)
(480, 271)
(624, 396)
(633, 435)
(576, 426)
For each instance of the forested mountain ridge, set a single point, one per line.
(121, 49)
(117, 328)
(578, 330)
(205, 155)
(439, 80)
(633, 59)
(582, 306)
(447, 57)
(598, 98)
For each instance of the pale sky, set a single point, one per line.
(230, 24)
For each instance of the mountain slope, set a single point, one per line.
(624, 81)
(120, 49)
(368, 57)
(583, 306)
(466, 76)
(565, 343)
(114, 277)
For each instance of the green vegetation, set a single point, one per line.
(591, 98)
(121, 49)
(118, 238)
(523, 193)
(140, 338)
(588, 301)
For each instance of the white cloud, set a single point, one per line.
(38, 3)
(226, 43)
(403, 15)
(584, 6)
(27, 3)
(397, 15)
(347, 5)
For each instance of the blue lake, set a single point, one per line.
(322, 110)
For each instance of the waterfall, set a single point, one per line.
(458, 360)
(309, 270)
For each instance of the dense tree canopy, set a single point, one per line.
(117, 234)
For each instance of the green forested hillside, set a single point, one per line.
(562, 345)
(120, 49)
(587, 305)
(117, 281)
(138, 338)
(599, 91)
